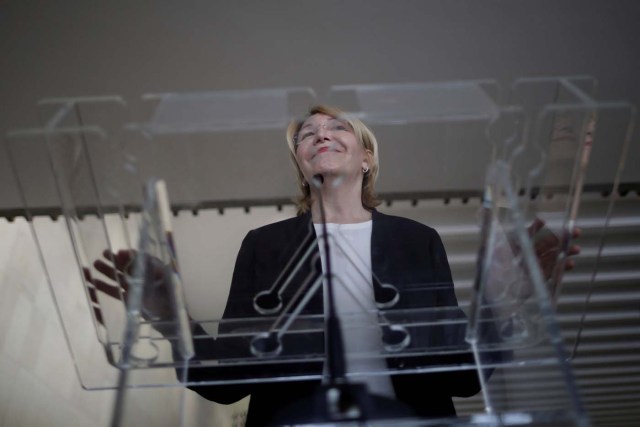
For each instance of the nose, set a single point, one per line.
(322, 134)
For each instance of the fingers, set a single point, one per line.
(122, 260)
(102, 286)
(548, 246)
(574, 250)
(93, 295)
(116, 292)
(115, 266)
(577, 232)
(119, 267)
(570, 264)
(98, 313)
(536, 226)
(111, 273)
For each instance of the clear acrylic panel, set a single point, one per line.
(570, 146)
(219, 111)
(120, 173)
(85, 197)
(511, 293)
(195, 135)
(403, 103)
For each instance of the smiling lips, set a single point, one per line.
(327, 148)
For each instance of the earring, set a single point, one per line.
(365, 169)
(305, 183)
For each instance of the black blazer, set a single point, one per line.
(404, 253)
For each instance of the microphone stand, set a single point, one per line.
(335, 353)
(339, 400)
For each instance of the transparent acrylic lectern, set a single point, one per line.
(120, 172)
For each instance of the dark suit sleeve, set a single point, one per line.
(422, 262)
(460, 382)
(208, 349)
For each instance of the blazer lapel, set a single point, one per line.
(315, 304)
(379, 259)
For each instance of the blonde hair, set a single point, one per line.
(362, 133)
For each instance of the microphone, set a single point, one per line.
(335, 351)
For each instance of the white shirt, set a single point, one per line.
(350, 249)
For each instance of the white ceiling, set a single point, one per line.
(131, 48)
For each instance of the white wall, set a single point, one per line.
(39, 379)
(39, 385)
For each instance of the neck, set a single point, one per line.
(342, 202)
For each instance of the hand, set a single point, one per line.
(119, 267)
(547, 246)
(508, 289)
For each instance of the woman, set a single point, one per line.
(336, 161)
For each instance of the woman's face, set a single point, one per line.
(328, 146)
